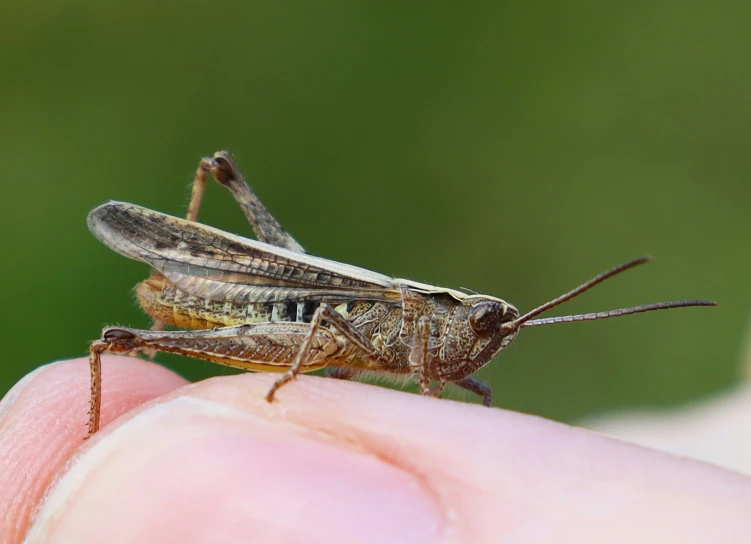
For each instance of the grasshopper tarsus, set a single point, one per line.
(435, 391)
(339, 373)
(278, 383)
(266, 305)
(477, 387)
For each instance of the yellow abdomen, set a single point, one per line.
(165, 302)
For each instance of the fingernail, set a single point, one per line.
(193, 470)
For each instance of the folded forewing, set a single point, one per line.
(203, 260)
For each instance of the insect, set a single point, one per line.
(266, 305)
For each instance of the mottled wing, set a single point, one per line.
(208, 262)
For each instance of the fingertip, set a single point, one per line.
(43, 421)
(207, 471)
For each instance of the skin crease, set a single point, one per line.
(329, 461)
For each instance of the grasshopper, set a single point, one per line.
(266, 305)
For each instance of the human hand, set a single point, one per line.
(330, 461)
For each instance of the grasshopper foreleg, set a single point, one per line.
(324, 313)
(419, 357)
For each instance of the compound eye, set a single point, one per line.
(485, 317)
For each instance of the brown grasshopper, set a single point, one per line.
(268, 306)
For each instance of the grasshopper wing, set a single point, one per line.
(205, 261)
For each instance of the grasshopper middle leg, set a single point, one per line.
(325, 313)
(419, 359)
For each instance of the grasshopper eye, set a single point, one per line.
(485, 316)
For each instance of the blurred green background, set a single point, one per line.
(514, 149)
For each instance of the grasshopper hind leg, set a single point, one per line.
(264, 347)
(117, 341)
(95, 367)
(224, 170)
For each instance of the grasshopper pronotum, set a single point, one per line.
(266, 305)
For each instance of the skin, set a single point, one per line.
(330, 461)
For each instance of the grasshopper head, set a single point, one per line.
(477, 332)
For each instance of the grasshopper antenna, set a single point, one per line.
(527, 321)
